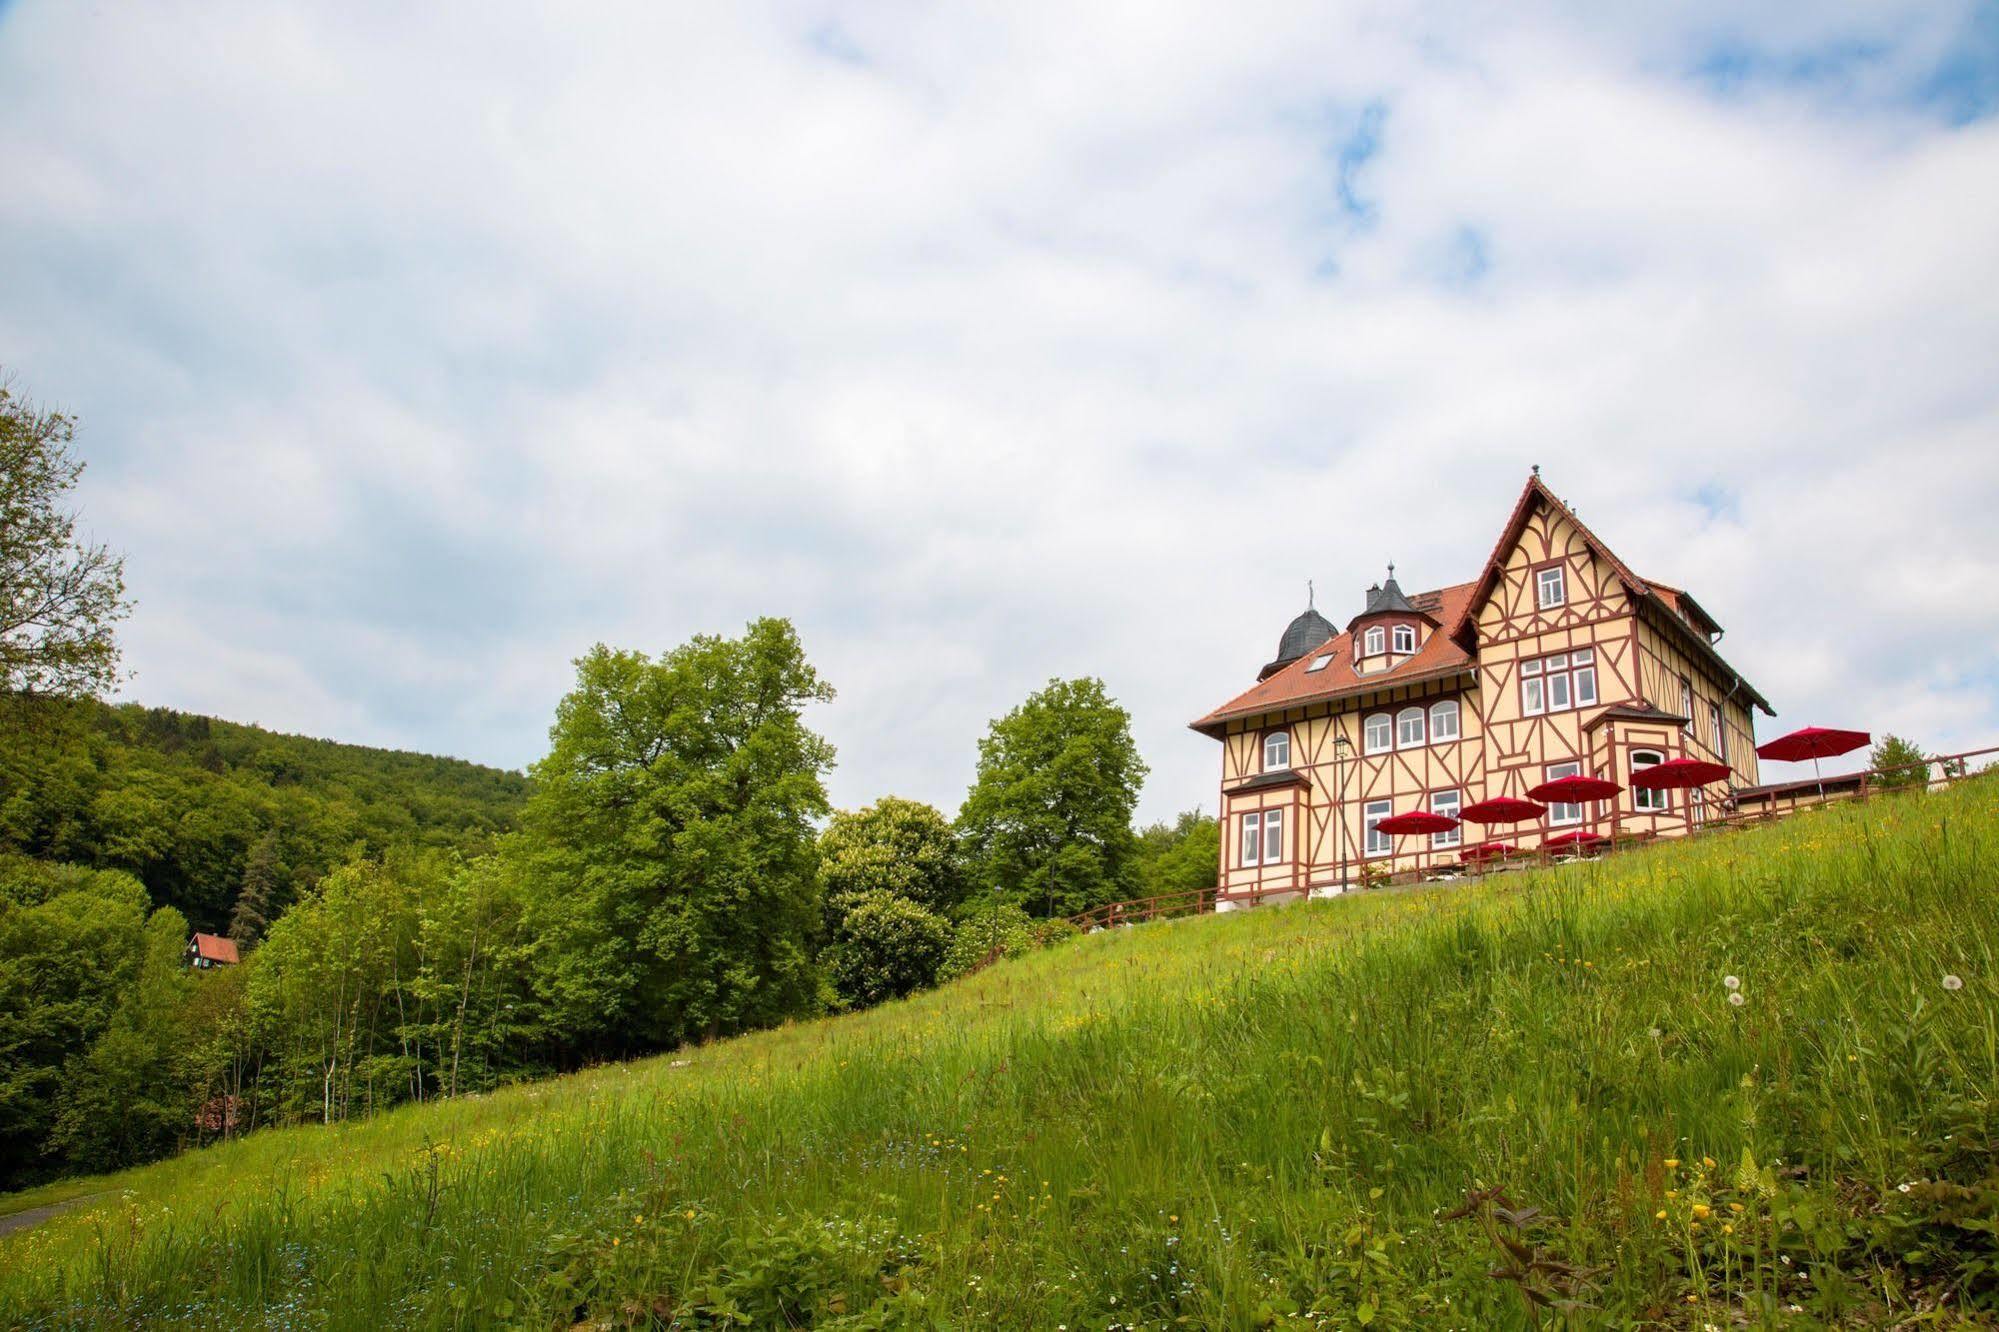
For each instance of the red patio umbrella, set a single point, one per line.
(1487, 851)
(1417, 822)
(1502, 809)
(1578, 790)
(1814, 743)
(1579, 839)
(1575, 790)
(1681, 774)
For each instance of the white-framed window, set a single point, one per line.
(1374, 641)
(1405, 638)
(1377, 843)
(1697, 805)
(1378, 734)
(1409, 728)
(1551, 588)
(1277, 751)
(1560, 699)
(1319, 664)
(1561, 812)
(1559, 682)
(1252, 838)
(1447, 803)
(1643, 799)
(1444, 720)
(1582, 669)
(1720, 732)
(1273, 836)
(1687, 702)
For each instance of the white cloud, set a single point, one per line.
(417, 351)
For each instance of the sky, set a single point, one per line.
(417, 348)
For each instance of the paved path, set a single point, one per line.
(34, 1216)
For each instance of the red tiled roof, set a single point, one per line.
(1449, 650)
(1297, 683)
(215, 948)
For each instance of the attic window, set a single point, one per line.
(1375, 640)
(1319, 664)
(1405, 638)
(1552, 588)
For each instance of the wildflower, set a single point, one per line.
(1731, 982)
(1737, 999)
(1728, 1230)
(1659, 1215)
(689, 1214)
(1672, 1163)
(1902, 1188)
(1953, 982)
(1701, 1210)
(1708, 1161)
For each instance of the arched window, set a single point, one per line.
(1277, 751)
(1444, 720)
(1643, 798)
(1379, 736)
(1405, 638)
(1409, 728)
(1373, 641)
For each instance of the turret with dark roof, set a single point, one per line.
(1307, 631)
(1387, 599)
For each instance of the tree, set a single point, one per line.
(899, 846)
(59, 597)
(672, 847)
(885, 946)
(1898, 763)
(1048, 820)
(1179, 857)
(257, 897)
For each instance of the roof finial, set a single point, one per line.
(1537, 469)
(1311, 602)
(1391, 571)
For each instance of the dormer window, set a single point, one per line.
(1277, 751)
(1375, 641)
(1551, 588)
(1405, 638)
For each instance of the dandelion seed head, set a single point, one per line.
(1736, 998)
(1953, 982)
(1731, 982)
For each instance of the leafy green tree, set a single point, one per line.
(258, 896)
(885, 946)
(1048, 820)
(1898, 763)
(59, 597)
(671, 842)
(125, 1100)
(1179, 857)
(71, 942)
(898, 846)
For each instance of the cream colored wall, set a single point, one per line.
(1662, 664)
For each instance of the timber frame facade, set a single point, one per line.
(1556, 660)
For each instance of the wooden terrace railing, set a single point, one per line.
(1937, 773)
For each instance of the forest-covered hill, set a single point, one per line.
(205, 812)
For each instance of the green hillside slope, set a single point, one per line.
(1260, 1119)
(186, 803)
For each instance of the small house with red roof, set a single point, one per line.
(211, 950)
(1557, 659)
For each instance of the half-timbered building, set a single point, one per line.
(1557, 659)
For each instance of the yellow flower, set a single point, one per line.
(614, 1241)
(1701, 1210)
(1659, 1215)
(1728, 1230)
(1735, 1207)
(1708, 1161)
(1672, 1163)
(689, 1214)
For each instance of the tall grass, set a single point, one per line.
(1269, 1118)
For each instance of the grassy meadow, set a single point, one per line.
(1264, 1119)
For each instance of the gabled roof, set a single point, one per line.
(1440, 657)
(1640, 712)
(215, 948)
(1680, 611)
(1449, 651)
